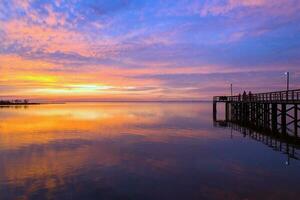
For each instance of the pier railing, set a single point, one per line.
(278, 96)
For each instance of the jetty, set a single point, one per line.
(277, 111)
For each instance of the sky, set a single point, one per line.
(93, 50)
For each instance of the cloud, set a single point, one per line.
(144, 49)
(280, 7)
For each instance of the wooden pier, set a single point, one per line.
(273, 111)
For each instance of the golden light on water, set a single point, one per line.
(44, 123)
(56, 147)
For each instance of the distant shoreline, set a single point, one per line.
(143, 101)
(68, 102)
(18, 104)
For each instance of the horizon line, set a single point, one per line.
(133, 101)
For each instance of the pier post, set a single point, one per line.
(238, 111)
(215, 111)
(261, 114)
(296, 119)
(283, 118)
(247, 115)
(274, 117)
(257, 114)
(252, 112)
(226, 111)
(265, 114)
(242, 109)
(232, 111)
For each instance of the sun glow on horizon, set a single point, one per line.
(146, 50)
(75, 89)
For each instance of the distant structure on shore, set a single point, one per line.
(15, 102)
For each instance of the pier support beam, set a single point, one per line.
(246, 112)
(226, 111)
(274, 117)
(283, 118)
(257, 114)
(252, 108)
(215, 111)
(266, 115)
(296, 119)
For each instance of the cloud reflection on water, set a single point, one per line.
(127, 150)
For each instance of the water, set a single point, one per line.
(135, 151)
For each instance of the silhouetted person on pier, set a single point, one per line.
(250, 95)
(240, 97)
(244, 95)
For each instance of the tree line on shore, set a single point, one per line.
(16, 101)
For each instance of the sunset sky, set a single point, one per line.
(146, 50)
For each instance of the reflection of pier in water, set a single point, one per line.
(287, 145)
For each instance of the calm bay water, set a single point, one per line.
(135, 151)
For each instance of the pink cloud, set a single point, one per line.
(51, 40)
(279, 7)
